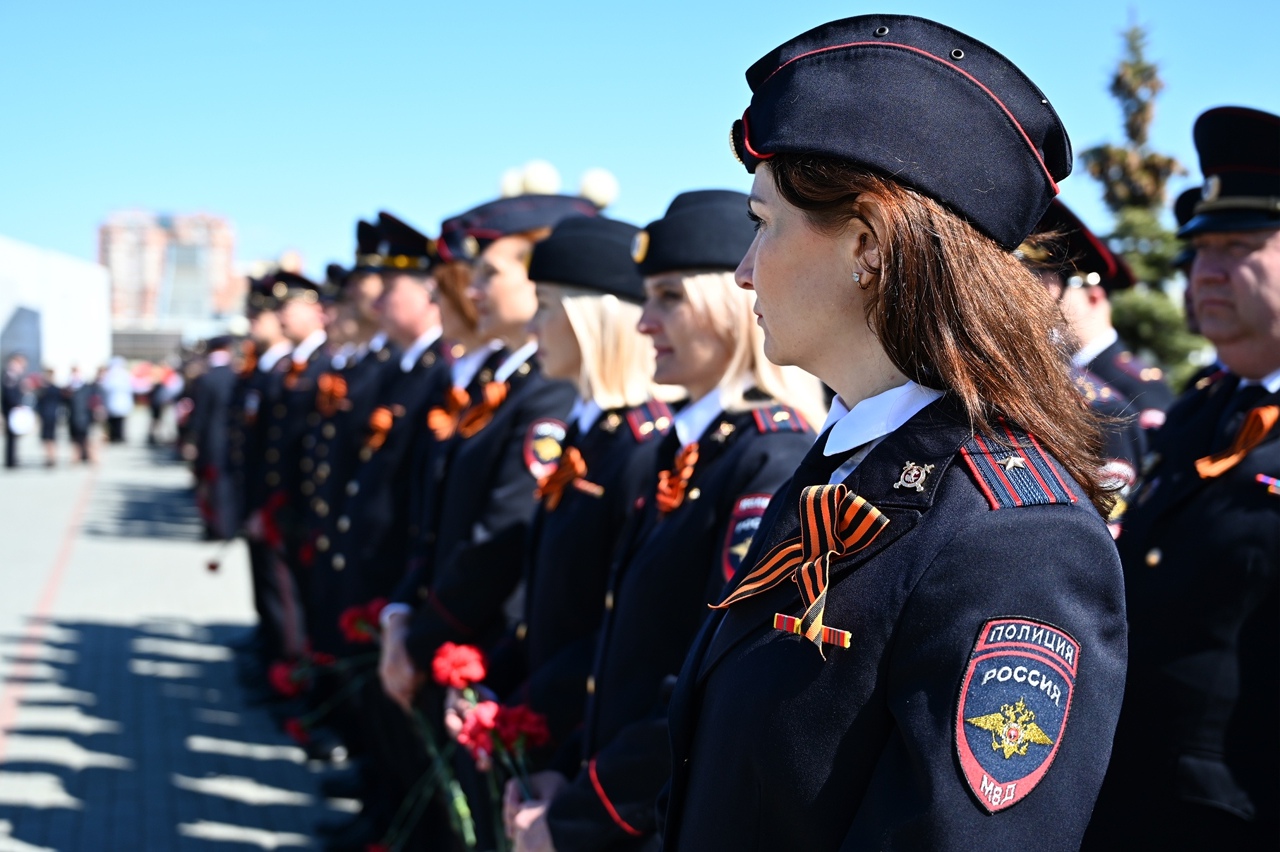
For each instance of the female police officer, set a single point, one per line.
(925, 647)
(729, 449)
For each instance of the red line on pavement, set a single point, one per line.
(33, 635)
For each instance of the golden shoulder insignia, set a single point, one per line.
(640, 246)
(913, 476)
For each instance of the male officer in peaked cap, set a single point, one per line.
(1088, 273)
(1197, 753)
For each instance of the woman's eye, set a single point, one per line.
(756, 222)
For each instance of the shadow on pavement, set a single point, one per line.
(138, 738)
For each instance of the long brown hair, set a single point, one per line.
(452, 280)
(955, 312)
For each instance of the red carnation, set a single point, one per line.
(476, 735)
(519, 727)
(297, 731)
(284, 679)
(458, 666)
(359, 624)
(320, 658)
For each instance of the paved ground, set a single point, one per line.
(121, 722)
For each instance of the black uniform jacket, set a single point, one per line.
(345, 400)
(1201, 558)
(258, 393)
(575, 538)
(369, 540)
(210, 432)
(962, 618)
(1143, 385)
(671, 568)
(481, 512)
(288, 419)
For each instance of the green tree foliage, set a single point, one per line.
(1134, 180)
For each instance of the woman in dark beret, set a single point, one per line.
(924, 647)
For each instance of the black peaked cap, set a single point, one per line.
(404, 247)
(590, 253)
(292, 285)
(1184, 210)
(919, 102)
(704, 230)
(1240, 159)
(1077, 249)
(260, 296)
(368, 246)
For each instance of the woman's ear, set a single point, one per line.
(863, 242)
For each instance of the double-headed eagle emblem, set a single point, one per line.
(1013, 729)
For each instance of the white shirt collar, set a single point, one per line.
(464, 369)
(219, 358)
(585, 413)
(268, 360)
(1271, 382)
(312, 342)
(414, 352)
(870, 421)
(1094, 347)
(345, 353)
(378, 342)
(694, 419)
(509, 366)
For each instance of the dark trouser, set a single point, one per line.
(115, 430)
(10, 445)
(269, 600)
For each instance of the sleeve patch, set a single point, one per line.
(543, 445)
(779, 418)
(1012, 710)
(743, 524)
(1019, 475)
(650, 419)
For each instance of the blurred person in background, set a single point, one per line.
(117, 388)
(11, 396)
(50, 400)
(84, 408)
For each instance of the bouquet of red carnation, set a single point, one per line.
(506, 734)
(288, 679)
(298, 731)
(459, 666)
(361, 623)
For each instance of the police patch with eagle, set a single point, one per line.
(1013, 706)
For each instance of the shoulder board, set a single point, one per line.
(1211, 379)
(779, 418)
(1133, 366)
(649, 419)
(1019, 475)
(1096, 390)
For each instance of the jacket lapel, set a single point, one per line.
(932, 437)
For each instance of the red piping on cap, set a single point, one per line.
(746, 137)
(929, 55)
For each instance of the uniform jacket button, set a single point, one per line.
(1153, 557)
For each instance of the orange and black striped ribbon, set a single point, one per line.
(834, 523)
(478, 415)
(331, 390)
(296, 369)
(570, 470)
(380, 423)
(248, 359)
(672, 483)
(1257, 424)
(443, 420)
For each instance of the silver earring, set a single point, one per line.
(857, 278)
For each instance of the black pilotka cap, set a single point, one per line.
(704, 230)
(590, 253)
(404, 247)
(455, 244)
(520, 214)
(1077, 252)
(920, 103)
(1240, 159)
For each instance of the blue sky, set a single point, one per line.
(295, 118)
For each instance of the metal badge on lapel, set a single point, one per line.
(1013, 707)
(913, 476)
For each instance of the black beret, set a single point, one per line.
(404, 247)
(1240, 159)
(1076, 250)
(707, 229)
(520, 214)
(920, 103)
(591, 253)
(292, 285)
